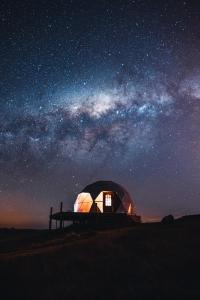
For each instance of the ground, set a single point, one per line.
(147, 261)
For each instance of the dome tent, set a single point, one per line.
(104, 197)
(100, 204)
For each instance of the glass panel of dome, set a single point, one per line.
(83, 203)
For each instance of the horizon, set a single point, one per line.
(23, 224)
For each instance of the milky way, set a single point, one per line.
(78, 106)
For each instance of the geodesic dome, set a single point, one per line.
(102, 197)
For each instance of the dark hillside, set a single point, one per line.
(149, 261)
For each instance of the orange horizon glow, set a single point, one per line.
(16, 212)
(18, 219)
(21, 221)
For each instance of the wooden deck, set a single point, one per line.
(102, 219)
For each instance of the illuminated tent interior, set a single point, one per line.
(104, 197)
(102, 203)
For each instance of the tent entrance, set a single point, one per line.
(108, 202)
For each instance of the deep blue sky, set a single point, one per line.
(95, 90)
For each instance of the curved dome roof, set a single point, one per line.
(97, 187)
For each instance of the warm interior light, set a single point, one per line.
(129, 210)
(99, 201)
(83, 203)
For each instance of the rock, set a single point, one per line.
(168, 219)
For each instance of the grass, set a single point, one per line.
(148, 261)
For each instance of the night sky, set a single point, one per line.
(98, 90)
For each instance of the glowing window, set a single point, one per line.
(108, 200)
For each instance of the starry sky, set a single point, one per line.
(98, 90)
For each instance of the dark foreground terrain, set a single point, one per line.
(148, 261)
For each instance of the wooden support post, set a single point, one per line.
(61, 221)
(50, 218)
